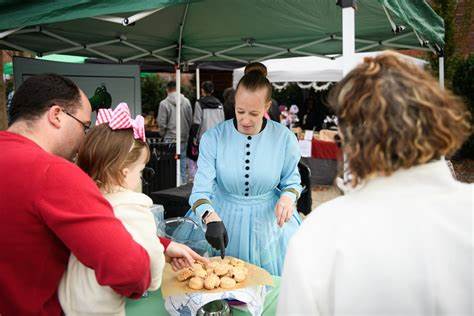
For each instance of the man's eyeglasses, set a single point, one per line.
(85, 126)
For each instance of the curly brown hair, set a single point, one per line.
(393, 115)
(105, 152)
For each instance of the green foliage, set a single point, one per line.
(463, 85)
(459, 72)
(463, 80)
(447, 10)
(189, 92)
(153, 91)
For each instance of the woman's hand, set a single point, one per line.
(181, 256)
(284, 209)
(213, 217)
(216, 233)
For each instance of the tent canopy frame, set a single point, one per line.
(247, 42)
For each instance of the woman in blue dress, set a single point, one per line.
(247, 181)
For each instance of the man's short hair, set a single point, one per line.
(171, 85)
(38, 93)
(208, 87)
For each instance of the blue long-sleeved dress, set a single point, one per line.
(243, 177)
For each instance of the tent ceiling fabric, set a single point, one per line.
(256, 29)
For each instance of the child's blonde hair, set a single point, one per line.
(105, 152)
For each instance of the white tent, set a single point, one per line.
(311, 68)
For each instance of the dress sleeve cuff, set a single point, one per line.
(202, 208)
(165, 242)
(291, 193)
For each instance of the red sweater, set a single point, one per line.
(49, 208)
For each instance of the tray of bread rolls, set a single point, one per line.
(220, 275)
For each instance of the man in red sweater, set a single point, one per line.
(50, 208)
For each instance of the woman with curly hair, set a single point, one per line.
(400, 243)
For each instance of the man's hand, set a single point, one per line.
(181, 256)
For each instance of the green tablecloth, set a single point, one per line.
(154, 305)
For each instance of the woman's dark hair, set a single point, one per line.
(256, 67)
(37, 93)
(255, 79)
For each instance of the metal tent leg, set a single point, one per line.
(198, 84)
(178, 126)
(348, 37)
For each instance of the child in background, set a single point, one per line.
(114, 154)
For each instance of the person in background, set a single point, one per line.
(9, 103)
(166, 121)
(400, 242)
(274, 111)
(208, 110)
(150, 122)
(49, 207)
(308, 116)
(114, 155)
(229, 103)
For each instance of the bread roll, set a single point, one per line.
(196, 283)
(211, 282)
(184, 274)
(227, 283)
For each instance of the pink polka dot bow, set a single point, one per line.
(120, 118)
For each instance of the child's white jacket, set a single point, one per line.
(80, 294)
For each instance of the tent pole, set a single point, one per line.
(178, 98)
(348, 52)
(178, 125)
(198, 84)
(441, 71)
(348, 34)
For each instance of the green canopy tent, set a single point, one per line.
(182, 32)
(188, 31)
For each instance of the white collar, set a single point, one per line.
(432, 173)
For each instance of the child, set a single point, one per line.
(114, 154)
